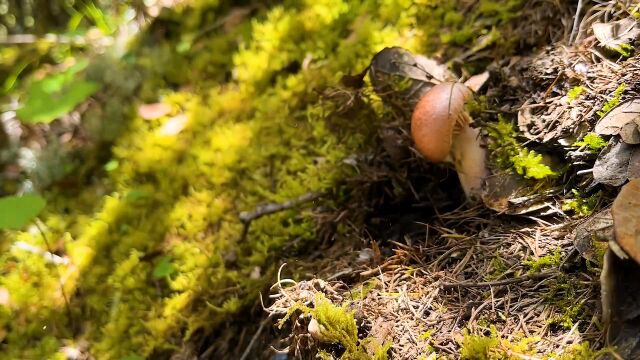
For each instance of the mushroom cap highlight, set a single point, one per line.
(435, 118)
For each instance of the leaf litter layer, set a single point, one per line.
(468, 283)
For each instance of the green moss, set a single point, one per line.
(563, 300)
(508, 154)
(582, 351)
(544, 262)
(580, 205)
(497, 268)
(338, 325)
(575, 93)
(592, 141)
(246, 126)
(613, 101)
(478, 347)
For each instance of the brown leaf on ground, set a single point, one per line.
(616, 33)
(476, 82)
(622, 120)
(611, 167)
(598, 227)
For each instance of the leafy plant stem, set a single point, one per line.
(62, 291)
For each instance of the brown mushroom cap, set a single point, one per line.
(435, 118)
(626, 218)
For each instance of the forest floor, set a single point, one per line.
(239, 189)
(517, 277)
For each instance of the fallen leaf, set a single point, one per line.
(612, 164)
(626, 219)
(598, 227)
(623, 120)
(614, 34)
(153, 111)
(476, 81)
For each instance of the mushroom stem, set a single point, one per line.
(469, 159)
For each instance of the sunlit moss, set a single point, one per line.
(255, 130)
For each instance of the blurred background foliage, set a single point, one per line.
(148, 126)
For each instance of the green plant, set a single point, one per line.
(580, 205)
(544, 262)
(56, 95)
(338, 325)
(18, 211)
(592, 141)
(613, 101)
(507, 153)
(478, 347)
(575, 92)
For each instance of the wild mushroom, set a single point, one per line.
(626, 219)
(619, 286)
(441, 132)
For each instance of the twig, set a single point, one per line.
(574, 28)
(245, 354)
(542, 275)
(64, 294)
(247, 217)
(267, 209)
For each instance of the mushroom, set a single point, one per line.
(626, 219)
(619, 286)
(441, 132)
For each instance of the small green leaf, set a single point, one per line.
(133, 195)
(18, 211)
(111, 165)
(56, 95)
(163, 268)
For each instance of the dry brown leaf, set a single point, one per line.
(616, 33)
(611, 165)
(153, 111)
(623, 120)
(476, 81)
(598, 227)
(626, 218)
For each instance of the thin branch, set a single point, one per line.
(267, 209)
(64, 294)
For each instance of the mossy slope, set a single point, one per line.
(155, 246)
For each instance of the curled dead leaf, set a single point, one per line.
(611, 166)
(593, 234)
(623, 120)
(476, 82)
(614, 34)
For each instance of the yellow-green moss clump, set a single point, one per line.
(493, 347)
(337, 325)
(154, 245)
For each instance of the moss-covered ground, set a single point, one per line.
(158, 261)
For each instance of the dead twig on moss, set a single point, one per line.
(246, 217)
(270, 208)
